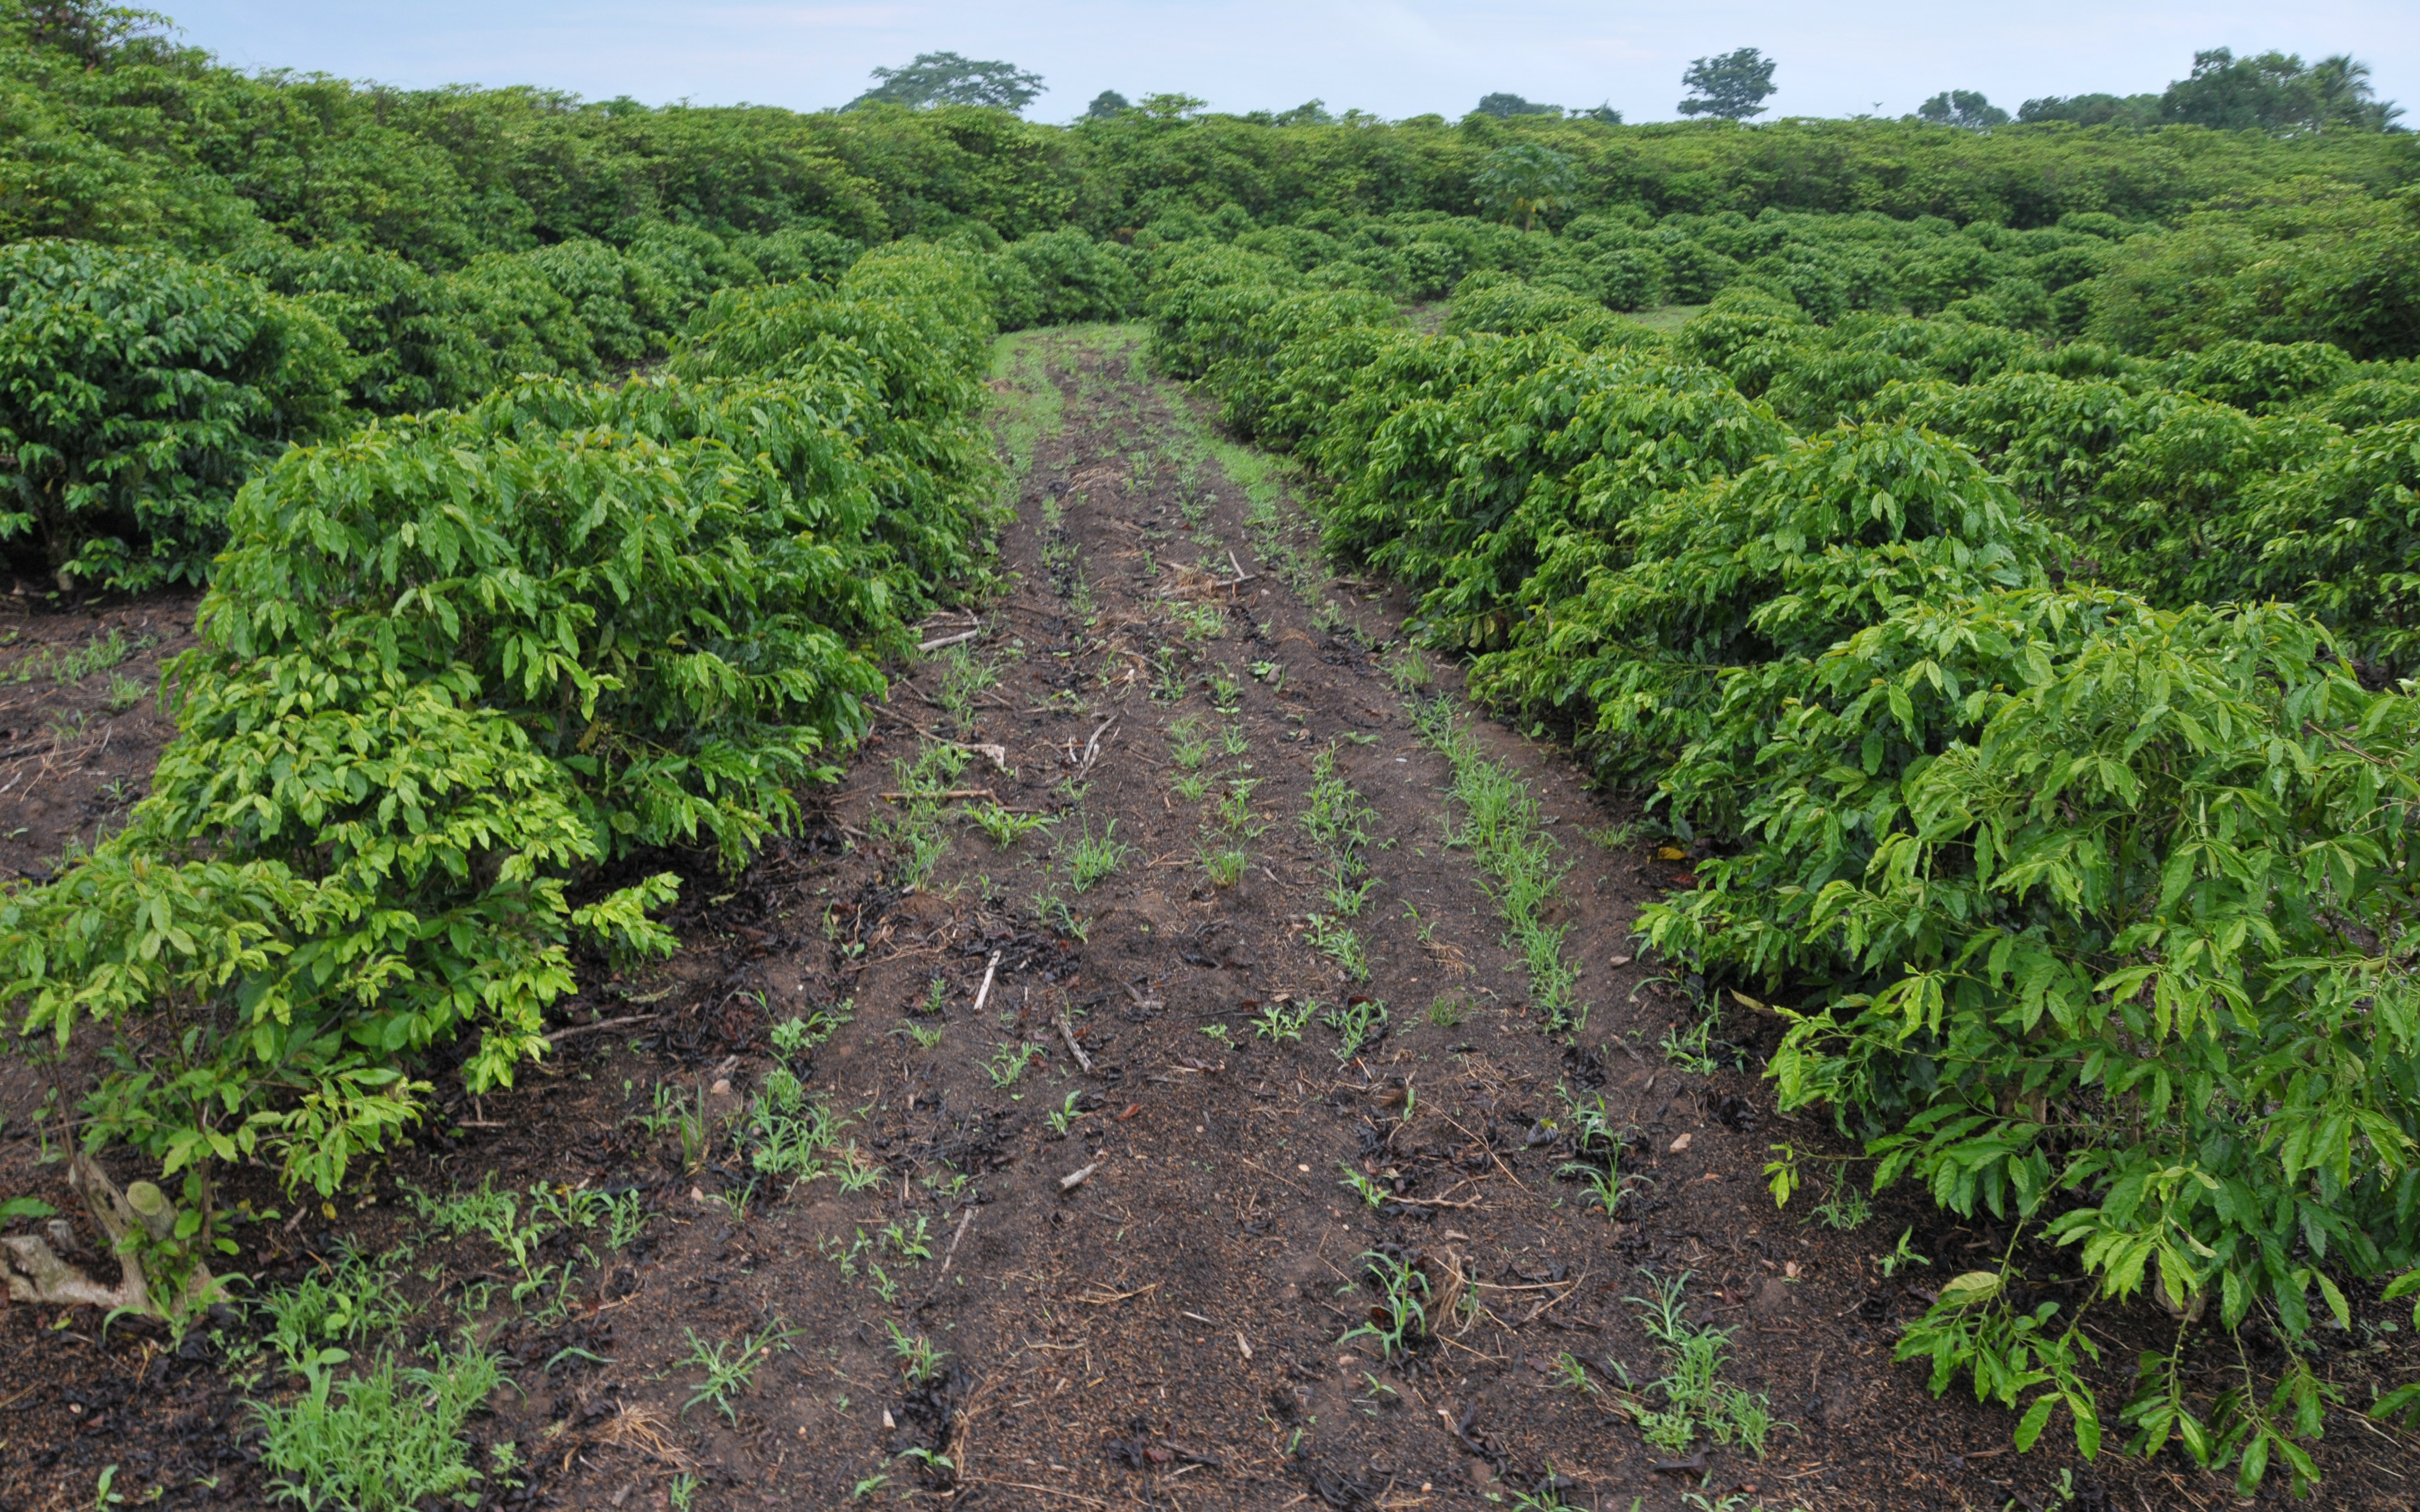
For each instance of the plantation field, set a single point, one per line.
(720, 807)
(795, 1186)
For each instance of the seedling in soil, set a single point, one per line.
(1204, 622)
(1409, 671)
(1234, 741)
(1694, 1394)
(736, 1203)
(1570, 1374)
(1224, 864)
(1092, 860)
(353, 1302)
(1006, 828)
(1236, 807)
(1275, 1023)
(1226, 694)
(1447, 1013)
(857, 1173)
(394, 1441)
(1605, 1183)
(1360, 1022)
(1192, 787)
(919, 1361)
(1169, 684)
(1187, 744)
(1905, 1254)
(789, 1132)
(683, 1492)
(912, 1246)
(1400, 1320)
(1056, 914)
(1370, 1191)
(926, 1039)
(124, 693)
(1500, 828)
(731, 1367)
(1340, 944)
(1845, 1209)
(1345, 897)
(1066, 1114)
(1691, 1049)
(1007, 1066)
(1219, 1032)
(798, 1035)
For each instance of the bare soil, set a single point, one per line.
(1175, 1330)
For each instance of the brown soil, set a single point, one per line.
(80, 719)
(1173, 1331)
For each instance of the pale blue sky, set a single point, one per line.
(1394, 57)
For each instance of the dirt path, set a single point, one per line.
(1176, 1069)
(1176, 1328)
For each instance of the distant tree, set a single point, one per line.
(94, 30)
(1310, 112)
(1504, 106)
(1963, 107)
(2231, 94)
(1172, 107)
(1108, 105)
(2276, 92)
(1731, 85)
(2343, 98)
(2093, 110)
(1523, 178)
(1604, 113)
(947, 79)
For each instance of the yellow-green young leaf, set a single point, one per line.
(1971, 1288)
(2336, 1299)
(2087, 1423)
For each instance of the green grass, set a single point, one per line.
(384, 1441)
(1666, 317)
(1092, 859)
(73, 666)
(1524, 867)
(730, 1366)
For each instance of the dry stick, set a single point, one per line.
(984, 992)
(1075, 1178)
(1491, 1153)
(1067, 1032)
(938, 642)
(1092, 746)
(952, 1252)
(561, 1035)
(938, 797)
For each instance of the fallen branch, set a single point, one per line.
(984, 992)
(1092, 746)
(599, 1027)
(942, 796)
(938, 642)
(1067, 1032)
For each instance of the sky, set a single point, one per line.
(1393, 59)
